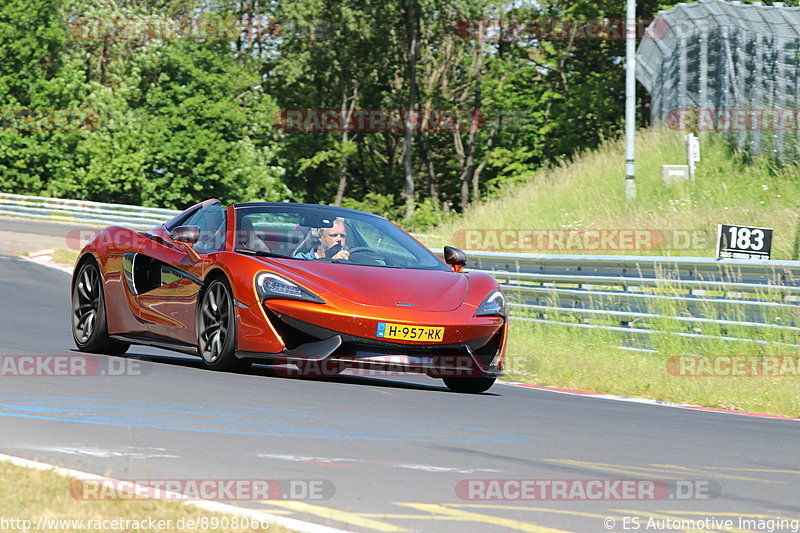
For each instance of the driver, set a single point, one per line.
(330, 239)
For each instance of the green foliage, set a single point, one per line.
(177, 121)
(511, 169)
(425, 216)
(380, 204)
(31, 39)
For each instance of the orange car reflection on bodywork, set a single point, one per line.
(270, 283)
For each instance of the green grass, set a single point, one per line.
(65, 256)
(590, 360)
(571, 356)
(588, 193)
(29, 494)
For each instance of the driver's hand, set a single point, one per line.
(342, 254)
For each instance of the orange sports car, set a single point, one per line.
(310, 287)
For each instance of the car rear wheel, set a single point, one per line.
(89, 327)
(469, 385)
(216, 332)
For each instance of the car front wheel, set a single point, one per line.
(216, 332)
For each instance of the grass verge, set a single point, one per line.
(65, 256)
(588, 193)
(29, 494)
(584, 359)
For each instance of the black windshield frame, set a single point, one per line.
(404, 251)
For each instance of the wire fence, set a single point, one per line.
(726, 66)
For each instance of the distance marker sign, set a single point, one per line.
(743, 242)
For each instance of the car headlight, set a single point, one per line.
(272, 286)
(492, 305)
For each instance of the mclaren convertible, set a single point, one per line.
(310, 287)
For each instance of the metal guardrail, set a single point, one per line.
(635, 295)
(640, 296)
(43, 208)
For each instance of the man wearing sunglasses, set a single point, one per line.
(331, 242)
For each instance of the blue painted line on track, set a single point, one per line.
(244, 420)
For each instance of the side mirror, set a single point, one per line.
(455, 258)
(186, 234)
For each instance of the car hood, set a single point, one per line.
(425, 290)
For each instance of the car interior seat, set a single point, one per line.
(247, 238)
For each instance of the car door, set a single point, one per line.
(174, 278)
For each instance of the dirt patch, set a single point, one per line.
(13, 243)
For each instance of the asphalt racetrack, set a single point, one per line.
(396, 453)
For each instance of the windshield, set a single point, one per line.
(311, 233)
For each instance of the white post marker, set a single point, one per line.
(630, 98)
(692, 153)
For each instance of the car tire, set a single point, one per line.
(89, 325)
(216, 328)
(469, 385)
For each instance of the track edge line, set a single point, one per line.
(206, 505)
(646, 401)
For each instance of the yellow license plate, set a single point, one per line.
(387, 330)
